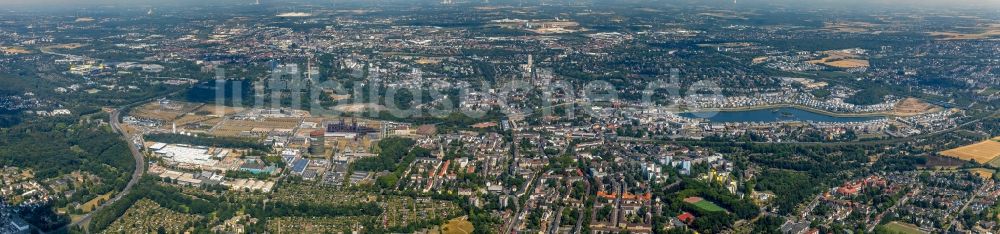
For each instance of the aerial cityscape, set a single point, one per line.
(499, 116)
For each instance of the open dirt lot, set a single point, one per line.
(912, 106)
(361, 107)
(164, 112)
(233, 128)
(15, 50)
(217, 110)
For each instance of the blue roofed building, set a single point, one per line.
(299, 166)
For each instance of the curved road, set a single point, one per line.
(140, 169)
(140, 161)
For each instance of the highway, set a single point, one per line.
(140, 169)
(137, 156)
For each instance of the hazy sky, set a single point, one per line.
(895, 2)
(846, 3)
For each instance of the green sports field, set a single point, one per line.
(708, 206)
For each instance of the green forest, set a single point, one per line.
(69, 145)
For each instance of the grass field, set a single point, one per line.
(704, 205)
(995, 162)
(455, 226)
(897, 227)
(90, 205)
(708, 206)
(981, 152)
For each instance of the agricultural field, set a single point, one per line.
(145, 216)
(840, 59)
(704, 205)
(986, 31)
(848, 27)
(983, 172)
(848, 63)
(982, 152)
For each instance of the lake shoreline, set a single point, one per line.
(782, 113)
(794, 106)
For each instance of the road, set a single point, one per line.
(809, 207)
(140, 161)
(554, 228)
(878, 218)
(140, 169)
(975, 193)
(580, 216)
(515, 221)
(137, 156)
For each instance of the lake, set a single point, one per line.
(774, 115)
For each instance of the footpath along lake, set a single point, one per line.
(774, 115)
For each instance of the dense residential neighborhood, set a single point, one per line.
(499, 117)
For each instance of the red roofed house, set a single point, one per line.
(686, 217)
